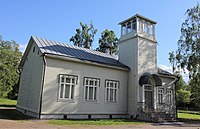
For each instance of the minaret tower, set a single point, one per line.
(137, 49)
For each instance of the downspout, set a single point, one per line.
(175, 81)
(19, 71)
(42, 84)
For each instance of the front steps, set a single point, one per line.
(157, 117)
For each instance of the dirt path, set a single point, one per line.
(41, 124)
(11, 119)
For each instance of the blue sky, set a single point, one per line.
(58, 19)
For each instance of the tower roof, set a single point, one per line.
(139, 16)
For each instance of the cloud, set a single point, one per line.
(185, 74)
(22, 47)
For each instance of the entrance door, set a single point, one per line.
(148, 94)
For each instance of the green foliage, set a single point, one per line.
(183, 93)
(187, 56)
(108, 36)
(181, 84)
(195, 90)
(84, 36)
(9, 60)
(95, 122)
(183, 96)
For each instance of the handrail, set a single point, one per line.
(163, 107)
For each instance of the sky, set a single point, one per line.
(58, 19)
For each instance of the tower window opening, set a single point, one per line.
(123, 29)
(146, 27)
(129, 27)
(141, 25)
(134, 25)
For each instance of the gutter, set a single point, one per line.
(175, 81)
(42, 84)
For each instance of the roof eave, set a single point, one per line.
(139, 16)
(84, 61)
(169, 76)
(26, 52)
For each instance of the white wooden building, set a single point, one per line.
(61, 81)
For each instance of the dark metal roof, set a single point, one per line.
(164, 72)
(66, 50)
(145, 77)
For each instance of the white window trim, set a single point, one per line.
(114, 88)
(159, 93)
(169, 96)
(93, 86)
(64, 83)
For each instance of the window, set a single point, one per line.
(160, 96)
(129, 27)
(67, 85)
(123, 29)
(169, 96)
(134, 24)
(112, 91)
(141, 25)
(33, 49)
(91, 88)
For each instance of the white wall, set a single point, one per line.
(168, 83)
(30, 81)
(139, 53)
(147, 58)
(51, 105)
(128, 55)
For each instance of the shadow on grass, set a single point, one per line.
(5, 105)
(13, 114)
(189, 121)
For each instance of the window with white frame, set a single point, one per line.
(112, 91)
(91, 88)
(67, 85)
(160, 93)
(169, 96)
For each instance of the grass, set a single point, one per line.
(7, 103)
(12, 114)
(95, 122)
(188, 116)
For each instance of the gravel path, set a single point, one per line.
(11, 119)
(41, 124)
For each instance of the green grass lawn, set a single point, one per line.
(7, 103)
(188, 116)
(95, 122)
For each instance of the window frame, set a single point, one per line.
(107, 98)
(71, 97)
(169, 96)
(160, 100)
(94, 97)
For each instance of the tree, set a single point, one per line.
(195, 90)
(84, 36)
(9, 60)
(187, 56)
(183, 96)
(108, 36)
(181, 84)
